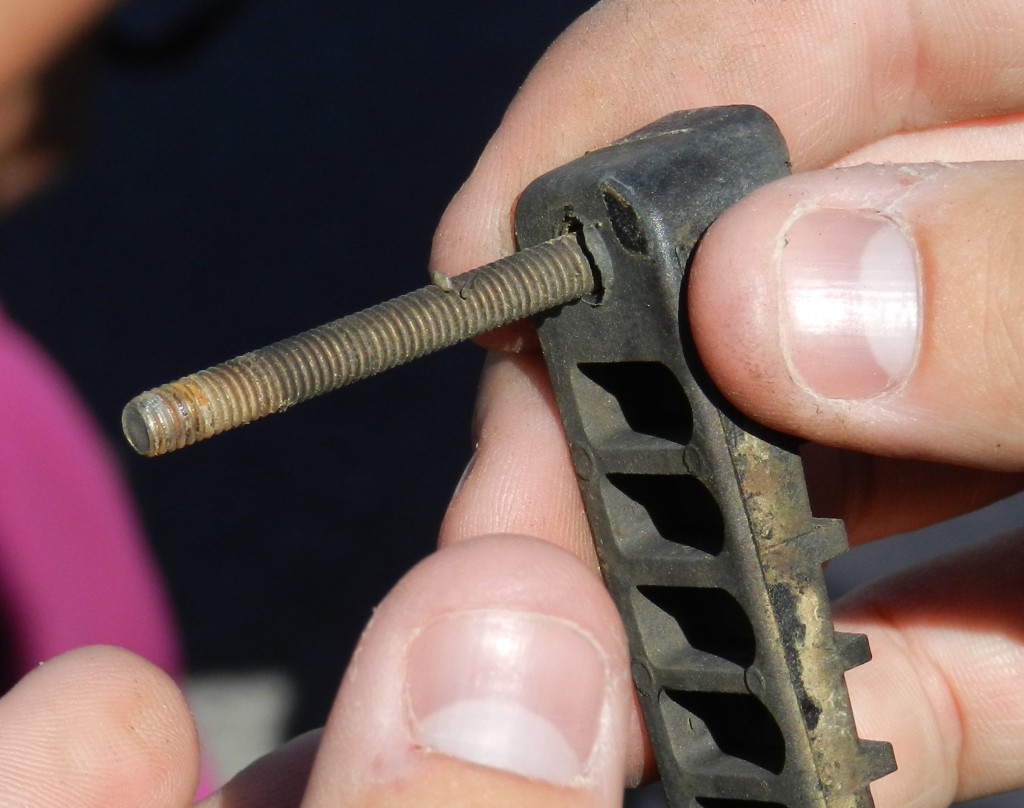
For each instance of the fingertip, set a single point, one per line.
(496, 666)
(94, 726)
(943, 685)
(855, 307)
(806, 294)
(732, 301)
(891, 702)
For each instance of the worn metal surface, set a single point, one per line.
(272, 379)
(701, 519)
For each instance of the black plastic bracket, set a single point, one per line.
(701, 518)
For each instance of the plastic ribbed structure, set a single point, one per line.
(701, 519)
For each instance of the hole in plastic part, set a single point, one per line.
(678, 508)
(626, 224)
(595, 252)
(642, 397)
(739, 724)
(711, 620)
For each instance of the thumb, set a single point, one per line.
(495, 673)
(876, 307)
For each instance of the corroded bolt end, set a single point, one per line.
(384, 336)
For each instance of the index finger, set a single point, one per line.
(835, 76)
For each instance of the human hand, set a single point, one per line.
(31, 36)
(918, 402)
(944, 685)
(481, 627)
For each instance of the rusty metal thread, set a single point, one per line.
(273, 378)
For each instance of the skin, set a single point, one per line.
(926, 81)
(32, 35)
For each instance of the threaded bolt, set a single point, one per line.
(384, 336)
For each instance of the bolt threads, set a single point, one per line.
(355, 347)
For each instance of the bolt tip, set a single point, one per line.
(133, 422)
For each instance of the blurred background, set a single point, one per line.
(247, 169)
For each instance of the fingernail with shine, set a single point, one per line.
(515, 691)
(851, 303)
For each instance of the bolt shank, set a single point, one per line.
(274, 378)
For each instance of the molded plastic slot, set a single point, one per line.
(680, 508)
(645, 397)
(711, 619)
(740, 726)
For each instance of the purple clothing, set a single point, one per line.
(74, 567)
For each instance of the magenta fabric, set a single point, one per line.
(74, 569)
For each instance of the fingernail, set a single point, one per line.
(465, 473)
(515, 691)
(851, 303)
